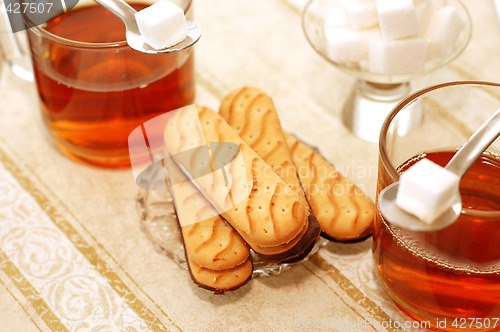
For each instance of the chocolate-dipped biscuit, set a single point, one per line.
(343, 210)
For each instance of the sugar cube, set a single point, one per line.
(436, 4)
(346, 45)
(397, 57)
(426, 190)
(443, 30)
(162, 24)
(336, 18)
(361, 15)
(397, 18)
(423, 10)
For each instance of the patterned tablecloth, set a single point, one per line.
(72, 254)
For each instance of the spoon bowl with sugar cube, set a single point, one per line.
(135, 40)
(458, 165)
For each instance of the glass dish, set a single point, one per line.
(159, 221)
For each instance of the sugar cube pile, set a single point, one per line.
(162, 24)
(426, 190)
(392, 37)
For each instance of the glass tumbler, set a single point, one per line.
(94, 90)
(448, 279)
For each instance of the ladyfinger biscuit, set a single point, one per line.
(344, 212)
(302, 246)
(214, 244)
(282, 248)
(208, 240)
(251, 113)
(264, 213)
(220, 281)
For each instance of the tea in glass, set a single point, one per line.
(448, 278)
(94, 89)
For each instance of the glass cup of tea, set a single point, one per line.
(94, 90)
(447, 279)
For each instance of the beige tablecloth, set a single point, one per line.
(72, 254)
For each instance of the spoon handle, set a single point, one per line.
(119, 8)
(476, 145)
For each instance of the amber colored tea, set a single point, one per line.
(91, 99)
(452, 274)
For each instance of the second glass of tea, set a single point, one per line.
(94, 89)
(449, 280)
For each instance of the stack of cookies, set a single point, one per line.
(271, 194)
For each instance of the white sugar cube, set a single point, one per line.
(162, 24)
(336, 18)
(443, 30)
(346, 45)
(397, 57)
(361, 14)
(397, 18)
(423, 9)
(426, 190)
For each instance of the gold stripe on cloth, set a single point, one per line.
(30, 293)
(69, 282)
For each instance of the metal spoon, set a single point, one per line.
(134, 38)
(459, 164)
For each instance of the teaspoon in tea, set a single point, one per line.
(459, 164)
(126, 13)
